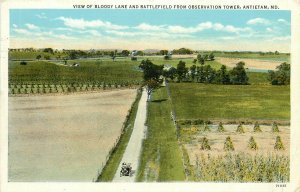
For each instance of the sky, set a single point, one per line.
(238, 30)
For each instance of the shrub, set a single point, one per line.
(256, 127)
(204, 144)
(228, 145)
(252, 144)
(275, 128)
(133, 58)
(278, 144)
(220, 127)
(23, 63)
(240, 129)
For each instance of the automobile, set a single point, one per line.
(126, 170)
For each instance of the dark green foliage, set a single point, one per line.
(211, 56)
(222, 76)
(182, 51)
(238, 75)
(167, 57)
(23, 63)
(275, 128)
(171, 73)
(228, 145)
(252, 144)
(256, 127)
(181, 70)
(278, 144)
(240, 129)
(151, 71)
(221, 127)
(133, 58)
(204, 144)
(281, 76)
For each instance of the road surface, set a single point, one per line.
(133, 150)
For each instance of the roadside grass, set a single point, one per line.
(88, 71)
(115, 158)
(210, 101)
(161, 148)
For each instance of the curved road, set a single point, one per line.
(134, 146)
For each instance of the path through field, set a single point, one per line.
(133, 150)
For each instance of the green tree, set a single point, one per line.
(193, 71)
(171, 73)
(200, 59)
(195, 61)
(151, 75)
(125, 53)
(238, 75)
(38, 57)
(222, 76)
(211, 56)
(163, 52)
(281, 76)
(181, 70)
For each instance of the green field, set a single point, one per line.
(88, 71)
(210, 101)
(161, 158)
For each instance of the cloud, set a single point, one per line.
(83, 24)
(22, 31)
(282, 38)
(41, 16)
(206, 26)
(258, 20)
(15, 26)
(283, 21)
(64, 37)
(148, 27)
(92, 32)
(269, 29)
(32, 26)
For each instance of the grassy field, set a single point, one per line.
(115, 158)
(161, 158)
(89, 71)
(209, 101)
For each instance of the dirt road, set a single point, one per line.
(133, 150)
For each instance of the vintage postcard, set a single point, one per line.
(150, 96)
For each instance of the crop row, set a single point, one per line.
(65, 88)
(241, 168)
(229, 146)
(239, 129)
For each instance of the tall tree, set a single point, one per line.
(281, 76)
(222, 76)
(181, 70)
(193, 71)
(151, 75)
(238, 74)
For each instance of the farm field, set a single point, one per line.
(90, 71)
(236, 102)
(64, 137)
(263, 164)
(250, 63)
